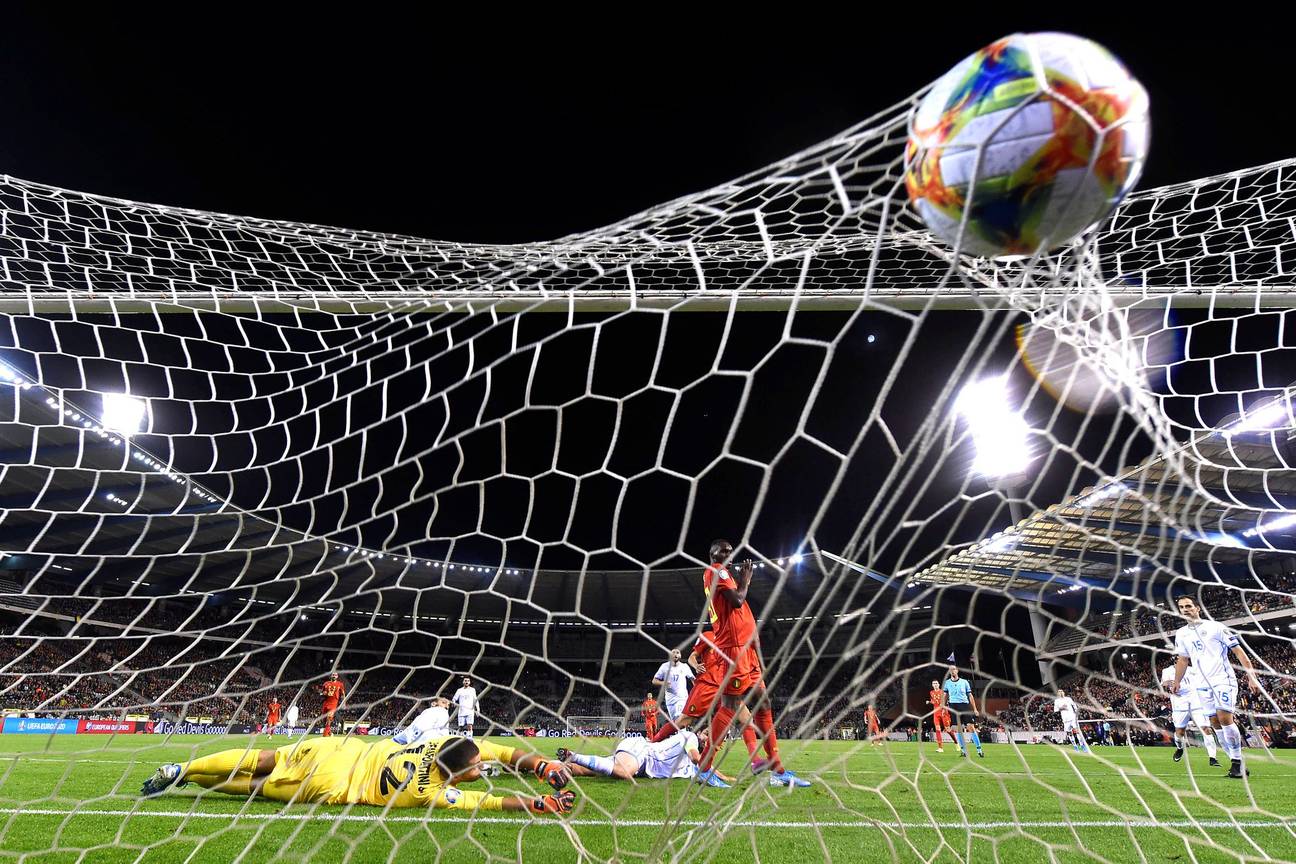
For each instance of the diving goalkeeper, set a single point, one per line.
(384, 773)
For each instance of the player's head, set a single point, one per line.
(935, 685)
(1061, 693)
(953, 672)
(648, 698)
(467, 682)
(675, 656)
(459, 760)
(1188, 607)
(332, 676)
(721, 551)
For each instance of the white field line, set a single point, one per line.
(1289, 824)
(980, 769)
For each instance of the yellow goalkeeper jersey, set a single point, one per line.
(352, 771)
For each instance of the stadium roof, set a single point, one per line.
(1219, 507)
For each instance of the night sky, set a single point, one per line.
(462, 130)
(478, 131)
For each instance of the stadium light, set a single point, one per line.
(795, 559)
(1268, 417)
(998, 431)
(123, 414)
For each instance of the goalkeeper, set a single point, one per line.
(384, 773)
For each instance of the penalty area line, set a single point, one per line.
(1289, 824)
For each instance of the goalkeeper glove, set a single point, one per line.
(560, 802)
(556, 774)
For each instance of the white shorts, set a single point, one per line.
(466, 719)
(1220, 696)
(648, 761)
(675, 706)
(1069, 723)
(1193, 714)
(635, 747)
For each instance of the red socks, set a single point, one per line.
(664, 732)
(750, 739)
(938, 738)
(764, 720)
(719, 726)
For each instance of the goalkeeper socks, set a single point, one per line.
(764, 719)
(719, 727)
(976, 739)
(958, 736)
(664, 732)
(750, 739)
(601, 764)
(223, 764)
(1208, 741)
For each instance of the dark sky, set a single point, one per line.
(493, 130)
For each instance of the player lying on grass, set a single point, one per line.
(383, 773)
(432, 722)
(676, 757)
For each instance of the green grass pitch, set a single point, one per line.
(901, 802)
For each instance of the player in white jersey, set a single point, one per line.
(465, 700)
(674, 676)
(290, 717)
(676, 757)
(432, 722)
(1066, 707)
(1185, 708)
(1207, 646)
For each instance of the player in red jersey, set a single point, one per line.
(272, 714)
(743, 681)
(650, 715)
(709, 666)
(940, 714)
(874, 732)
(333, 691)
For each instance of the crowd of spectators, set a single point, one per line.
(1129, 687)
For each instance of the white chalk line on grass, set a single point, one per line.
(982, 769)
(1289, 824)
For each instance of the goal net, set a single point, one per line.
(242, 455)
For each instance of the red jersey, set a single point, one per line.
(273, 716)
(333, 691)
(871, 716)
(650, 708)
(734, 626)
(937, 698)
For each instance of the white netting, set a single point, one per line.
(408, 461)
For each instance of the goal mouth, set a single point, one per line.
(243, 455)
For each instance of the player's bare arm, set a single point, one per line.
(1181, 668)
(1253, 683)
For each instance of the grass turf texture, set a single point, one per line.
(902, 802)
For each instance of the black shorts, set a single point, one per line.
(960, 715)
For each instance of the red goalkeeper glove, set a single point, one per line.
(560, 802)
(556, 774)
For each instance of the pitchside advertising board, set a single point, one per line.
(70, 726)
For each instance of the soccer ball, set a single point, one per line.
(1026, 144)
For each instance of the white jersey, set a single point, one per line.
(1208, 644)
(1065, 706)
(466, 699)
(664, 760)
(1186, 698)
(676, 676)
(290, 716)
(433, 722)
